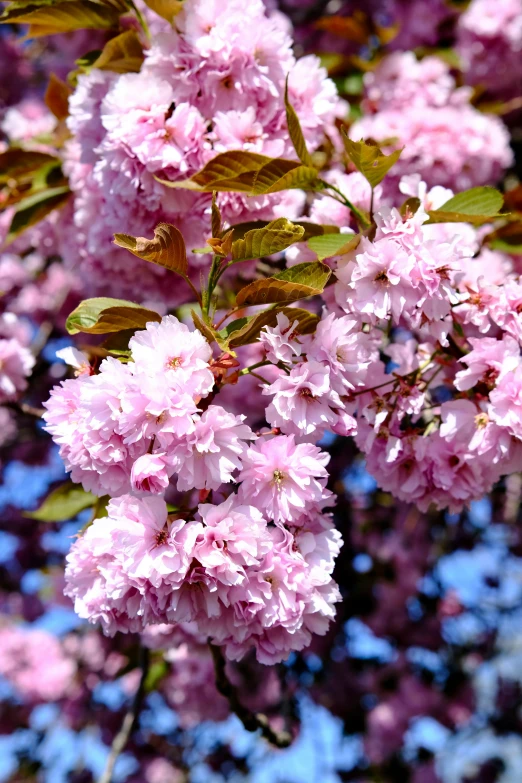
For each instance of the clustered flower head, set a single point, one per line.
(16, 359)
(439, 421)
(243, 580)
(131, 426)
(35, 663)
(415, 105)
(489, 42)
(252, 571)
(214, 82)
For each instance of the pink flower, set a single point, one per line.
(150, 545)
(233, 538)
(35, 676)
(280, 342)
(506, 402)
(149, 473)
(463, 421)
(488, 361)
(170, 347)
(28, 119)
(155, 407)
(209, 456)
(338, 343)
(284, 478)
(303, 402)
(380, 284)
(16, 364)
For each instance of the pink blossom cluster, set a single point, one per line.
(244, 582)
(212, 83)
(16, 359)
(489, 42)
(416, 105)
(35, 664)
(440, 421)
(32, 283)
(246, 577)
(28, 119)
(131, 426)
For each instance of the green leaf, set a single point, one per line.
(259, 242)
(100, 507)
(122, 54)
(168, 9)
(229, 166)
(292, 284)
(216, 217)
(35, 207)
(476, 206)
(410, 206)
(330, 245)
(47, 17)
(117, 343)
(310, 229)
(506, 247)
(56, 97)
(167, 249)
(102, 315)
(369, 159)
(507, 238)
(157, 671)
(296, 133)
(233, 326)
(248, 172)
(476, 201)
(63, 503)
(16, 163)
(249, 333)
(280, 174)
(206, 330)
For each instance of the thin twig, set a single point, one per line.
(251, 721)
(247, 370)
(23, 407)
(129, 721)
(194, 290)
(347, 203)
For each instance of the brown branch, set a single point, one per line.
(129, 721)
(250, 720)
(29, 410)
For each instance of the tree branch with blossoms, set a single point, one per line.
(209, 483)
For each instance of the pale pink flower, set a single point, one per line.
(303, 402)
(16, 364)
(380, 284)
(284, 478)
(28, 119)
(233, 537)
(35, 663)
(149, 544)
(150, 473)
(488, 361)
(210, 455)
(338, 343)
(462, 420)
(506, 402)
(281, 342)
(171, 348)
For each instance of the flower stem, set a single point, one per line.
(361, 219)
